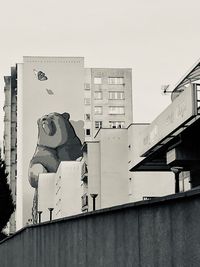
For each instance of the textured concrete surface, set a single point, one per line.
(160, 232)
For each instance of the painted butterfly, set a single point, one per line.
(40, 75)
(50, 92)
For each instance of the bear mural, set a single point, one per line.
(57, 141)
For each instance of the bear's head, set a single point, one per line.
(53, 130)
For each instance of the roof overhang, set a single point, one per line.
(191, 76)
(166, 129)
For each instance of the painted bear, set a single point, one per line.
(57, 141)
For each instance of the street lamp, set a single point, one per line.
(93, 198)
(177, 171)
(39, 213)
(50, 210)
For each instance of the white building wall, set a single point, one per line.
(114, 161)
(61, 191)
(62, 91)
(68, 189)
(94, 173)
(46, 195)
(141, 184)
(107, 160)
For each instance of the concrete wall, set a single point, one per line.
(163, 232)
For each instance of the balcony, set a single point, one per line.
(84, 173)
(84, 201)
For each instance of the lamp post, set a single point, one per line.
(50, 211)
(93, 200)
(39, 213)
(177, 171)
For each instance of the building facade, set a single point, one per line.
(106, 159)
(60, 192)
(106, 170)
(10, 137)
(102, 178)
(107, 99)
(170, 143)
(41, 86)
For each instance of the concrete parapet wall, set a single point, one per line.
(160, 232)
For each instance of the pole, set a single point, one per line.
(50, 211)
(94, 208)
(39, 213)
(177, 188)
(94, 200)
(177, 171)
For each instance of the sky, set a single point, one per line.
(159, 40)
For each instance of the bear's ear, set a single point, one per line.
(66, 116)
(38, 121)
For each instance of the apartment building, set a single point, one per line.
(43, 85)
(10, 137)
(107, 99)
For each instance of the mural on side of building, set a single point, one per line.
(57, 141)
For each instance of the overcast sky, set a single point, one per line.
(159, 40)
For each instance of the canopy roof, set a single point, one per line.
(191, 76)
(155, 157)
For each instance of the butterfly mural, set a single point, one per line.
(40, 75)
(49, 91)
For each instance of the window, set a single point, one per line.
(198, 95)
(87, 101)
(116, 110)
(87, 131)
(97, 80)
(98, 95)
(87, 117)
(115, 80)
(116, 95)
(87, 86)
(97, 110)
(117, 124)
(98, 124)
